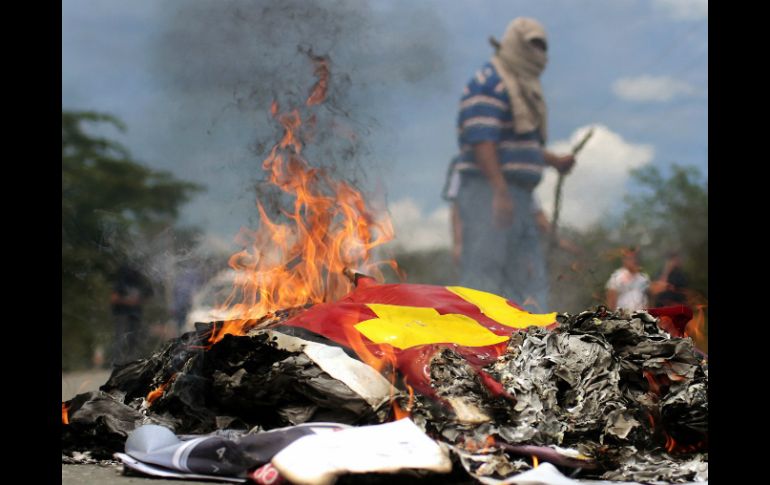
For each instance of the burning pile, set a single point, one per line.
(601, 394)
(607, 386)
(608, 394)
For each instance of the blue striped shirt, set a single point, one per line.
(485, 115)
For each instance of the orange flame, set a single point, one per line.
(472, 445)
(670, 443)
(479, 446)
(673, 446)
(153, 395)
(318, 93)
(696, 328)
(652, 382)
(384, 363)
(535, 461)
(406, 412)
(299, 259)
(65, 419)
(399, 413)
(411, 396)
(490, 441)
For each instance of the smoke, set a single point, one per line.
(251, 51)
(220, 65)
(257, 47)
(223, 63)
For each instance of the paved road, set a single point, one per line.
(73, 383)
(112, 474)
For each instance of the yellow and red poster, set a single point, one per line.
(410, 322)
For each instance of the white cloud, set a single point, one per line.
(417, 229)
(651, 88)
(684, 9)
(597, 183)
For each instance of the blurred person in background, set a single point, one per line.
(188, 280)
(503, 129)
(670, 287)
(628, 287)
(669, 295)
(130, 291)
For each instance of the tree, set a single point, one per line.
(672, 214)
(109, 201)
(662, 214)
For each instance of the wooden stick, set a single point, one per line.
(557, 199)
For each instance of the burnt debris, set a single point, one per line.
(603, 396)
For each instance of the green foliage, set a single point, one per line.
(672, 215)
(109, 201)
(663, 214)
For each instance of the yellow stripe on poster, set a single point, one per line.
(408, 326)
(497, 308)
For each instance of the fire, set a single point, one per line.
(670, 443)
(411, 396)
(153, 395)
(384, 363)
(675, 447)
(488, 445)
(297, 258)
(406, 412)
(318, 93)
(696, 328)
(535, 462)
(399, 413)
(652, 382)
(65, 419)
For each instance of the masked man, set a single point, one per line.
(503, 129)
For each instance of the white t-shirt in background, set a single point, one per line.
(631, 288)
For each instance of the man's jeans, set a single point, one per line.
(510, 261)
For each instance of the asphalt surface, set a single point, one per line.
(112, 474)
(73, 383)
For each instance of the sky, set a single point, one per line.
(193, 82)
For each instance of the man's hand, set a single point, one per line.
(562, 163)
(502, 209)
(659, 286)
